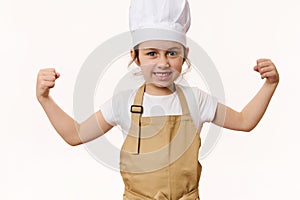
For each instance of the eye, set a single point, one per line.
(152, 53)
(172, 53)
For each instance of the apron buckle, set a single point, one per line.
(136, 109)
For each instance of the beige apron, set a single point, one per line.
(159, 158)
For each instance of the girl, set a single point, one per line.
(159, 157)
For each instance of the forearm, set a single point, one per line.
(65, 126)
(249, 117)
(255, 109)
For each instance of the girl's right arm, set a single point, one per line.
(72, 132)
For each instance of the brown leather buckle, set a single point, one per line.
(136, 109)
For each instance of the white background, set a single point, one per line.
(37, 164)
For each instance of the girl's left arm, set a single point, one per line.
(249, 117)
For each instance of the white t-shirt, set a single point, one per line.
(202, 107)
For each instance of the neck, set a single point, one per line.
(159, 91)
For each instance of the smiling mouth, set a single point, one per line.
(162, 74)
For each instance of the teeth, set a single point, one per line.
(162, 74)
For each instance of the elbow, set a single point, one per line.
(247, 124)
(72, 141)
(72, 144)
(73, 138)
(248, 128)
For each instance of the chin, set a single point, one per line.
(163, 85)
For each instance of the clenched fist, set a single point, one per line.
(45, 80)
(267, 70)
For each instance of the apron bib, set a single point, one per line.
(159, 158)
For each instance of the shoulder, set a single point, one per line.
(118, 102)
(192, 92)
(116, 110)
(198, 98)
(123, 97)
(125, 93)
(202, 105)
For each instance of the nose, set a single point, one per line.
(163, 61)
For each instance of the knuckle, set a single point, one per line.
(40, 73)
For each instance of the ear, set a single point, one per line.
(134, 58)
(187, 50)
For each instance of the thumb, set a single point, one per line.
(255, 68)
(57, 75)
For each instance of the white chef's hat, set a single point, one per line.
(159, 20)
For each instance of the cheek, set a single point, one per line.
(147, 62)
(146, 70)
(177, 66)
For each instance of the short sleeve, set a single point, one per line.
(116, 111)
(207, 106)
(106, 110)
(202, 105)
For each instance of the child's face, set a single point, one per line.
(161, 61)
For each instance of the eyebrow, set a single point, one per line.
(151, 49)
(174, 48)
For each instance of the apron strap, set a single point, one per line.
(183, 102)
(136, 113)
(138, 100)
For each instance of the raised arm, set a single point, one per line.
(72, 132)
(249, 117)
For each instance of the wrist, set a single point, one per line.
(272, 85)
(42, 100)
